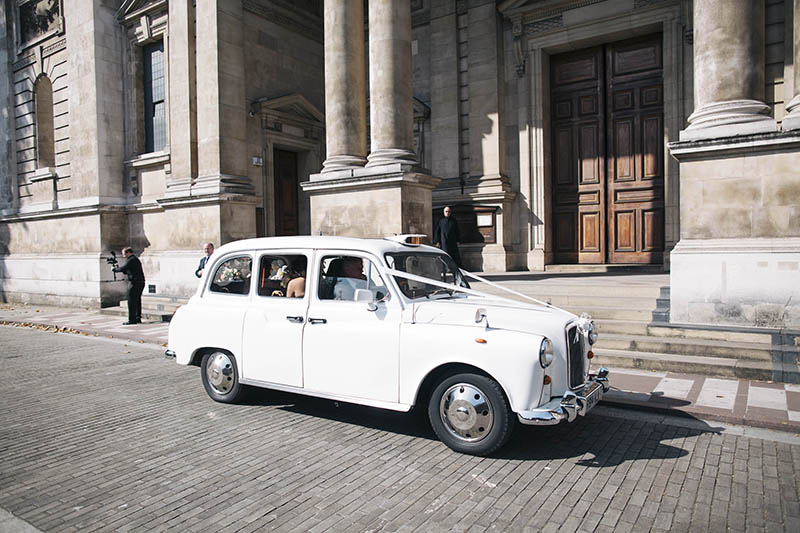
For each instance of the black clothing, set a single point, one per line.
(447, 234)
(133, 269)
(199, 271)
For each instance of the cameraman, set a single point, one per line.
(133, 269)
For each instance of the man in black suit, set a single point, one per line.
(133, 269)
(208, 248)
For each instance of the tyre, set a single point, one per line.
(470, 414)
(221, 377)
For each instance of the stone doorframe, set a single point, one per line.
(294, 124)
(536, 42)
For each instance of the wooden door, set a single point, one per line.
(285, 167)
(578, 157)
(635, 151)
(607, 147)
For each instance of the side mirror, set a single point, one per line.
(365, 295)
(480, 316)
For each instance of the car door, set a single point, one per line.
(348, 349)
(272, 336)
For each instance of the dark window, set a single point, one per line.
(276, 271)
(341, 276)
(233, 276)
(45, 132)
(155, 130)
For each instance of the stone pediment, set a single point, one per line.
(131, 9)
(536, 9)
(293, 106)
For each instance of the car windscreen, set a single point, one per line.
(438, 267)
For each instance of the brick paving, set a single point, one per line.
(106, 435)
(730, 400)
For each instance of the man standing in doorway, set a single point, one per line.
(208, 248)
(446, 235)
(133, 269)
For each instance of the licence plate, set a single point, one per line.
(594, 397)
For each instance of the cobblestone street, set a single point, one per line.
(108, 435)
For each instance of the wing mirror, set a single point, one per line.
(365, 295)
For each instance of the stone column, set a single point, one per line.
(8, 171)
(221, 100)
(728, 70)
(390, 94)
(345, 91)
(182, 103)
(792, 120)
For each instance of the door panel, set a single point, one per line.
(272, 336)
(285, 192)
(349, 350)
(635, 155)
(607, 146)
(578, 162)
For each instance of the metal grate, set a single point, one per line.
(575, 347)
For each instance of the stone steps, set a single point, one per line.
(695, 364)
(632, 316)
(154, 308)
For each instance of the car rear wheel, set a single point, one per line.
(221, 377)
(470, 414)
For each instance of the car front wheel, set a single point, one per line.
(220, 377)
(470, 414)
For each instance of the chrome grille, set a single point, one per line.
(575, 348)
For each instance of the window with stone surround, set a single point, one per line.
(146, 82)
(154, 102)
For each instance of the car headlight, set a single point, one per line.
(546, 352)
(592, 336)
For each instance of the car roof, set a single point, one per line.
(376, 246)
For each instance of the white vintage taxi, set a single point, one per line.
(384, 323)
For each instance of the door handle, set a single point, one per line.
(317, 321)
(295, 319)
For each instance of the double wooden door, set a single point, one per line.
(608, 146)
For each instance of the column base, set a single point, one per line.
(389, 156)
(729, 119)
(371, 202)
(336, 163)
(792, 121)
(750, 282)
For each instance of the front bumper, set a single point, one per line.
(570, 405)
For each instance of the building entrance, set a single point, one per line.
(285, 192)
(607, 148)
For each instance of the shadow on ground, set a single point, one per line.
(597, 440)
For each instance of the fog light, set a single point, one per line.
(590, 355)
(547, 380)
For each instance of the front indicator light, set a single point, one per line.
(547, 380)
(590, 355)
(546, 352)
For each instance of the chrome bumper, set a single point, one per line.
(570, 405)
(170, 354)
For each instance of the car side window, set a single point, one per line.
(341, 275)
(282, 275)
(233, 276)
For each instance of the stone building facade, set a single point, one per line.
(661, 132)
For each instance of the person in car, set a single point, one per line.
(352, 278)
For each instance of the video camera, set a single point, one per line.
(113, 262)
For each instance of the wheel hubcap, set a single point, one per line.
(466, 412)
(219, 372)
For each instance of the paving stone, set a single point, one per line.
(127, 440)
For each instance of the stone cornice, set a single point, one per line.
(288, 16)
(758, 245)
(713, 148)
